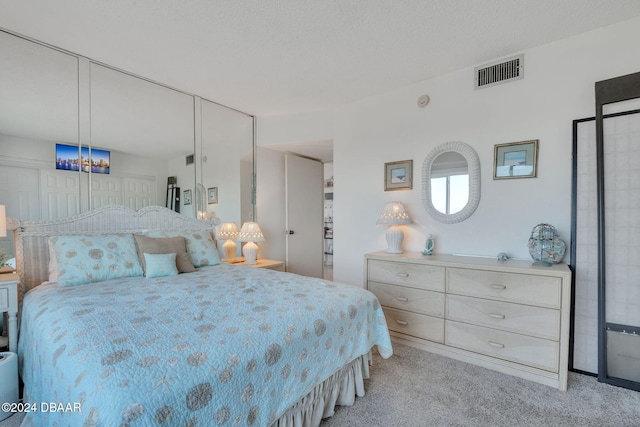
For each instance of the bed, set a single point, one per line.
(220, 345)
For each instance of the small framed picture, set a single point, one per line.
(187, 197)
(398, 175)
(212, 195)
(516, 160)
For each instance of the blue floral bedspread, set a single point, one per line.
(226, 345)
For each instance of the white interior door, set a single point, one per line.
(304, 215)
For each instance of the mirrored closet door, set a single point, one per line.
(148, 132)
(38, 108)
(76, 134)
(226, 164)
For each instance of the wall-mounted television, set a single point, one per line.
(67, 159)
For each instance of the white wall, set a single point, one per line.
(270, 203)
(295, 128)
(558, 87)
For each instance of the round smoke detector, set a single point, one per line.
(423, 101)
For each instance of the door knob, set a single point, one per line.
(291, 232)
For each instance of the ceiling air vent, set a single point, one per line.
(502, 71)
(189, 159)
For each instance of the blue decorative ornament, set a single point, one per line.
(428, 246)
(544, 245)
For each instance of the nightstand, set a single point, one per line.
(266, 263)
(9, 303)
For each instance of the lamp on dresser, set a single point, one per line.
(394, 214)
(251, 234)
(228, 231)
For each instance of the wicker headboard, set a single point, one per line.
(32, 237)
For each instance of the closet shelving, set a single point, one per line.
(328, 221)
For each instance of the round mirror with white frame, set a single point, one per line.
(451, 182)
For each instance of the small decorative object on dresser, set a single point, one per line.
(507, 316)
(393, 214)
(250, 233)
(544, 245)
(428, 246)
(502, 256)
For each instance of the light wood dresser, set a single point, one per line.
(504, 315)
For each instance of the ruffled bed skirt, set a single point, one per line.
(341, 388)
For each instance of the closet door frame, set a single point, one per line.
(575, 241)
(619, 89)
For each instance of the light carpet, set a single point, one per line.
(421, 389)
(418, 388)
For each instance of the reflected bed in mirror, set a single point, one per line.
(451, 182)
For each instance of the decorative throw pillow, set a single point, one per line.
(201, 247)
(164, 245)
(160, 265)
(87, 259)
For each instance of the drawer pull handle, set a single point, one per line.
(501, 287)
(401, 322)
(496, 344)
(403, 299)
(402, 274)
(496, 315)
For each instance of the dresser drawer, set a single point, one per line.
(4, 299)
(525, 319)
(407, 274)
(512, 287)
(535, 352)
(410, 299)
(416, 325)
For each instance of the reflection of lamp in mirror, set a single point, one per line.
(228, 231)
(3, 221)
(250, 233)
(394, 214)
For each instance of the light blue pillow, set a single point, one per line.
(201, 248)
(160, 265)
(87, 259)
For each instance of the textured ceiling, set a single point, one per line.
(283, 56)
